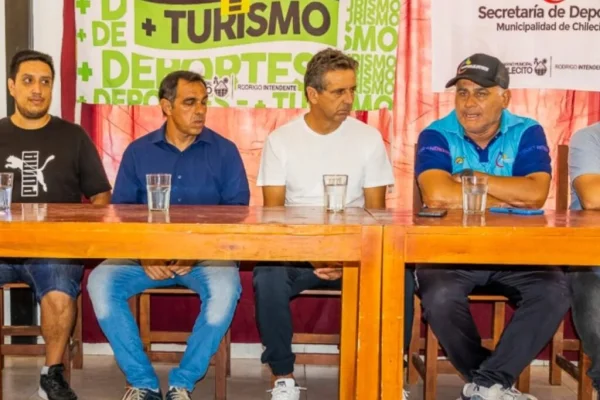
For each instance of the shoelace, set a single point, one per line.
(282, 392)
(180, 394)
(134, 394)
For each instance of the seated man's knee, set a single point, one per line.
(441, 301)
(99, 287)
(224, 294)
(56, 281)
(56, 302)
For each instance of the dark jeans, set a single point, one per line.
(541, 297)
(585, 293)
(274, 287)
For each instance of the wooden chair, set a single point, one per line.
(430, 367)
(221, 360)
(559, 344)
(74, 353)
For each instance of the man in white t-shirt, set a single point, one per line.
(295, 157)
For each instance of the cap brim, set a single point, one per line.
(481, 81)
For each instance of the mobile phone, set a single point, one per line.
(519, 211)
(432, 212)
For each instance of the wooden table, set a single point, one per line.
(569, 238)
(226, 233)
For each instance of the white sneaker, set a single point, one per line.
(496, 392)
(285, 389)
(467, 392)
(405, 395)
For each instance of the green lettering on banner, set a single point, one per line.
(165, 66)
(371, 36)
(129, 46)
(115, 69)
(163, 25)
(139, 68)
(131, 96)
(111, 12)
(104, 33)
(253, 59)
(274, 71)
(228, 65)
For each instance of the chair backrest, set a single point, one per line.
(562, 178)
(417, 202)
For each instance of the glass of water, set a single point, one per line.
(474, 191)
(6, 187)
(159, 191)
(335, 192)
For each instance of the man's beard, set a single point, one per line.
(32, 114)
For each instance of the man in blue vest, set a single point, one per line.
(481, 137)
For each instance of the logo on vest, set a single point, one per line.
(459, 160)
(502, 159)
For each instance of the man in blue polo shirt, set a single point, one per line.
(206, 169)
(481, 137)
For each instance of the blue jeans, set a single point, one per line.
(43, 275)
(115, 281)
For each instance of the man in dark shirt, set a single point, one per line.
(205, 169)
(53, 161)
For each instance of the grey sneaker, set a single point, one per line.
(497, 392)
(467, 392)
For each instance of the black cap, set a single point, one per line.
(484, 70)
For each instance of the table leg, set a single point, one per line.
(369, 314)
(347, 386)
(392, 314)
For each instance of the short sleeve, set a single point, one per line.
(272, 167)
(92, 177)
(379, 170)
(584, 153)
(533, 154)
(433, 152)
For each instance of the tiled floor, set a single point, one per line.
(101, 380)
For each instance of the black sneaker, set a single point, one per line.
(141, 394)
(53, 386)
(178, 394)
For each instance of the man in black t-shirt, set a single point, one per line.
(53, 161)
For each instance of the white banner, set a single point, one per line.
(252, 53)
(545, 44)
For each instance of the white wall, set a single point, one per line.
(47, 37)
(2, 62)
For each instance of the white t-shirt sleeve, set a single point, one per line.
(272, 166)
(379, 170)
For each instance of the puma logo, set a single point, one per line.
(28, 165)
